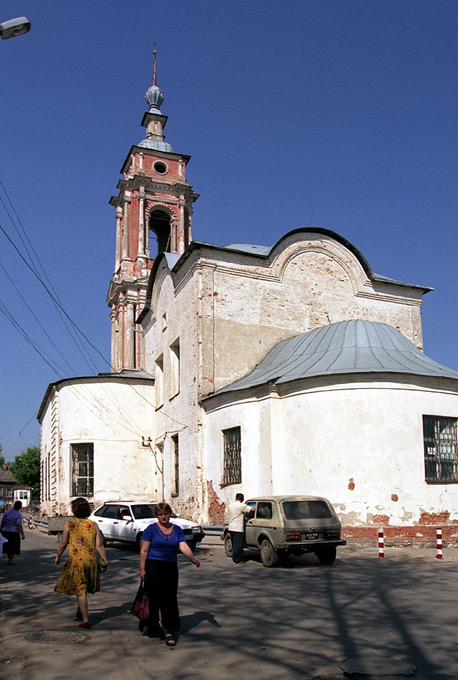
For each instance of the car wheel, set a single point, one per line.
(327, 555)
(269, 557)
(228, 545)
(192, 544)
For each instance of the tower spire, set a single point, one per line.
(154, 96)
(154, 64)
(154, 209)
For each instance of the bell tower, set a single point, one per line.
(154, 209)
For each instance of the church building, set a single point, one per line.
(289, 368)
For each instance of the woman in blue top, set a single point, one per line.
(159, 568)
(11, 529)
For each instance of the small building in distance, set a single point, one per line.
(10, 492)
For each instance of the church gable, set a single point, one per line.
(247, 301)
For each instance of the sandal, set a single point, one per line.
(169, 641)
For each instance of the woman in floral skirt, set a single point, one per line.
(80, 574)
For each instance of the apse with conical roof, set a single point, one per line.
(343, 348)
(154, 207)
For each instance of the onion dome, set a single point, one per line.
(154, 98)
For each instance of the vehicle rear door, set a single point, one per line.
(122, 524)
(106, 519)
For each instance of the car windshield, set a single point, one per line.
(306, 510)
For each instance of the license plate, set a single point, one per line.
(311, 535)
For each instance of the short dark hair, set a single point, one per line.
(81, 508)
(239, 497)
(162, 507)
(17, 505)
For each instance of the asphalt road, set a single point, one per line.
(300, 620)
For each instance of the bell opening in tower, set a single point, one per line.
(160, 232)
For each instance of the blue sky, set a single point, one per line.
(338, 114)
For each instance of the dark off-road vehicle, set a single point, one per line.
(294, 525)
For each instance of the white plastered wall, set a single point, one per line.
(358, 444)
(117, 418)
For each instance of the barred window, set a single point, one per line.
(82, 469)
(232, 466)
(440, 443)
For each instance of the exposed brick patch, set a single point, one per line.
(434, 517)
(380, 520)
(216, 508)
(351, 484)
(394, 497)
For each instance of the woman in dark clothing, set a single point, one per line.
(159, 568)
(12, 529)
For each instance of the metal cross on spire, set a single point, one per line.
(154, 64)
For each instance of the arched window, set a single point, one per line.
(159, 228)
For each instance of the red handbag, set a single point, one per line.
(140, 605)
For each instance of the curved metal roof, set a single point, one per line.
(355, 346)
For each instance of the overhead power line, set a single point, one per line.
(57, 302)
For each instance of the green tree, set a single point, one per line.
(2, 457)
(26, 469)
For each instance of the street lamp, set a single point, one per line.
(14, 27)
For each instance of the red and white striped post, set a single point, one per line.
(439, 543)
(381, 543)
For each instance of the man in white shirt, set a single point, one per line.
(236, 526)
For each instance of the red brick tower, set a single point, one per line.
(153, 214)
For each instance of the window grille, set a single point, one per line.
(232, 442)
(440, 444)
(82, 469)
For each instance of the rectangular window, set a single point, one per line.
(176, 465)
(159, 381)
(82, 469)
(232, 445)
(264, 510)
(174, 368)
(440, 445)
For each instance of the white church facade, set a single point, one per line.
(289, 368)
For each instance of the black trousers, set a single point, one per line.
(162, 590)
(13, 547)
(238, 544)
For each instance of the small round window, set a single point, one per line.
(160, 167)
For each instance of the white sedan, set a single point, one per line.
(126, 521)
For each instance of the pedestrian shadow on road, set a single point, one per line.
(192, 620)
(99, 615)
